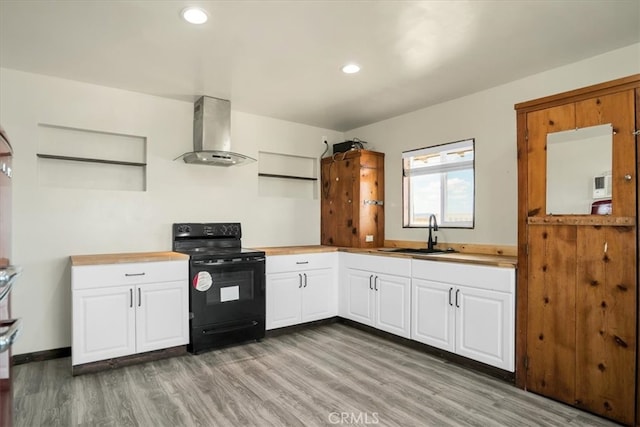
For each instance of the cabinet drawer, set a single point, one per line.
(96, 276)
(395, 266)
(473, 276)
(300, 262)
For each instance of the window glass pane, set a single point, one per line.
(439, 180)
(459, 196)
(459, 155)
(425, 195)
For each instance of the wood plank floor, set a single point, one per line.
(321, 376)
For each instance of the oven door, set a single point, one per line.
(227, 292)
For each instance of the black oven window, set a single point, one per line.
(230, 286)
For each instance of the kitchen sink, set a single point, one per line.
(425, 251)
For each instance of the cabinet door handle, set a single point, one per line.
(375, 283)
(8, 336)
(133, 274)
(300, 280)
(457, 292)
(130, 298)
(450, 302)
(302, 262)
(370, 285)
(139, 297)
(8, 275)
(305, 279)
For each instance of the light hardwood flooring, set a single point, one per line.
(321, 376)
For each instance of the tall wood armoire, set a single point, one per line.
(577, 300)
(352, 199)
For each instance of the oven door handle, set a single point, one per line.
(229, 262)
(8, 276)
(9, 336)
(230, 328)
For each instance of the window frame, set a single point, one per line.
(406, 197)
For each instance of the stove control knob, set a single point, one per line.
(235, 230)
(184, 229)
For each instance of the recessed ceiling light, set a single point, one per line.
(350, 68)
(195, 15)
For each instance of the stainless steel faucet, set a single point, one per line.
(433, 226)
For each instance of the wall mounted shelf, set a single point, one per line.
(287, 175)
(90, 160)
(67, 159)
(272, 175)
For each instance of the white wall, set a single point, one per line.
(50, 224)
(490, 118)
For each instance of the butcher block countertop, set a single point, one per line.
(294, 250)
(77, 260)
(463, 257)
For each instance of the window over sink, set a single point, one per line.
(439, 180)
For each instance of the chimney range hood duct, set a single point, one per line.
(212, 135)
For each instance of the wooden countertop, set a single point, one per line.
(293, 250)
(77, 260)
(463, 257)
(469, 258)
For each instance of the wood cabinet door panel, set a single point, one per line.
(347, 180)
(539, 124)
(551, 337)
(370, 218)
(605, 326)
(617, 109)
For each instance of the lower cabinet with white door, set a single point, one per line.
(301, 288)
(128, 308)
(465, 309)
(376, 291)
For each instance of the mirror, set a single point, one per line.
(579, 171)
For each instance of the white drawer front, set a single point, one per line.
(395, 266)
(474, 276)
(299, 262)
(97, 276)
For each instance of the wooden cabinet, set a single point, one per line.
(300, 288)
(376, 291)
(352, 199)
(465, 309)
(123, 309)
(577, 274)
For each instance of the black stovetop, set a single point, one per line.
(201, 254)
(211, 241)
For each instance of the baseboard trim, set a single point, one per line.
(41, 356)
(134, 359)
(492, 371)
(295, 328)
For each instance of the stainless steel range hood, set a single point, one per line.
(212, 135)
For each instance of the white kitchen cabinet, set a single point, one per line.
(433, 320)
(103, 324)
(376, 291)
(466, 309)
(300, 288)
(124, 309)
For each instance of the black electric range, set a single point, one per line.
(227, 285)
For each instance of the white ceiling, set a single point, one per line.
(282, 59)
